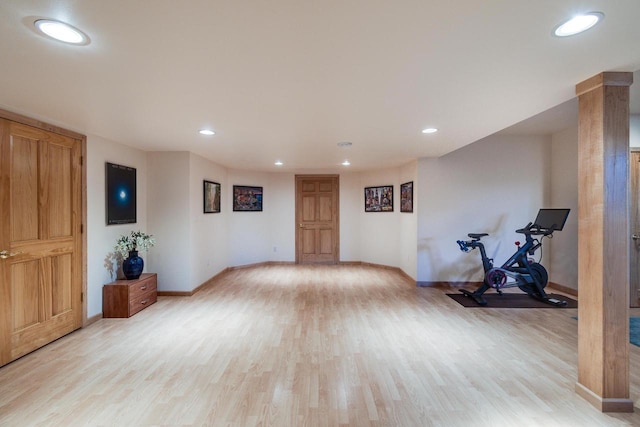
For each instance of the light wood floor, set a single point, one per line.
(310, 346)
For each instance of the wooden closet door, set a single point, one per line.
(41, 268)
(317, 231)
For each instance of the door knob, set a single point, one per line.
(635, 237)
(301, 225)
(7, 254)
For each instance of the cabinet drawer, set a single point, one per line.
(143, 301)
(138, 289)
(124, 298)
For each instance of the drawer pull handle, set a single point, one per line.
(142, 288)
(143, 302)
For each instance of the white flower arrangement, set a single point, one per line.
(134, 241)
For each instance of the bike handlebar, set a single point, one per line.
(525, 229)
(534, 229)
(464, 247)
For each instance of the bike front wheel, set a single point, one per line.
(540, 273)
(537, 282)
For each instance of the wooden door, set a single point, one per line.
(634, 221)
(317, 232)
(40, 236)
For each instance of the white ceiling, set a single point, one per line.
(289, 79)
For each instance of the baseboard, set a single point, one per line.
(260, 264)
(91, 320)
(407, 278)
(382, 266)
(176, 293)
(563, 289)
(604, 404)
(443, 284)
(196, 289)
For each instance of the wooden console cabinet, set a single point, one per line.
(124, 298)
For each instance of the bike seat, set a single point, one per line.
(477, 236)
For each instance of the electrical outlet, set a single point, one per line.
(275, 249)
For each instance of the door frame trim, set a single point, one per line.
(297, 178)
(634, 166)
(19, 118)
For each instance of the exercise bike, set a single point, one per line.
(519, 270)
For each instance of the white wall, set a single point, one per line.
(387, 238)
(281, 217)
(494, 186)
(408, 227)
(169, 220)
(564, 175)
(270, 235)
(275, 226)
(563, 248)
(351, 208)
(379, 231)
(191, 246)
(209, 232)
(101, 238)
(250, 233)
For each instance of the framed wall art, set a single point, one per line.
(120, 194)
(406, 197)
(378, 199)
(210, 197)
(247, 199)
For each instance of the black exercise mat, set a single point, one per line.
(512, 301)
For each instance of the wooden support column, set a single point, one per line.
(603, 241)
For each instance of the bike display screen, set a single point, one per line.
(552, 219)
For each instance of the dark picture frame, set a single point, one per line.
(210, 197)
(378, 199)
(247, 198)
(406, 197)
(120, 194)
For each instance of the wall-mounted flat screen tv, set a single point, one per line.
(120, 194)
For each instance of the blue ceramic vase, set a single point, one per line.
(132, 266)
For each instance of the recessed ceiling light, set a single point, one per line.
(346, 163)
(429, 130)
(578, 24)
(345, 144)
(207, 132)
(278, 163)
(62, 32)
